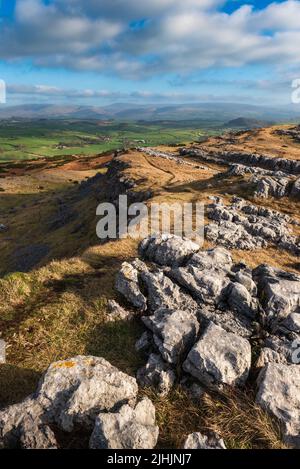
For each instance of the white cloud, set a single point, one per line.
(179, 36)
(50, 94)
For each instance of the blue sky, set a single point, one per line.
(151, 51)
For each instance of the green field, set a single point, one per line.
(30, 139)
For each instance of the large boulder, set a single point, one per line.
(167, 249)
(76, 390)
(71, 393)
(199, 441)
(219, 358)
(127, 283)
(279, 395)
(279, 292)
(127, 429)
(175, 331)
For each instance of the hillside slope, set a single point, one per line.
(58, 278)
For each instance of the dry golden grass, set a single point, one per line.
(231, 414)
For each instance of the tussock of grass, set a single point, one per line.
(241, 422)
(232, 414)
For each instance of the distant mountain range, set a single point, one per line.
(247, 123)
(217, 112)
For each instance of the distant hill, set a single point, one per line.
(247, 123)
(219, 113)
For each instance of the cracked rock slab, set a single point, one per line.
(207, 285)
(219, 358)
(168, 250)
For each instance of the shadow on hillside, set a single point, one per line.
(115, 341)
(47, 226)
(16, 383)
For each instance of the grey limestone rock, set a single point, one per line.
(199, 441)
(279, 395)
(129, 428)
(219, 357)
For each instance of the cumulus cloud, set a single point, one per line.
(45, 93)
(173, 36)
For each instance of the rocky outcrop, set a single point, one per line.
(204, 312)
(166, 156)
(268, 183)
(246, 226)
(272, 187)
(129, 428)
(292, 132)
(199, 441)
(295, 191)
(246, 159)
(119, 183)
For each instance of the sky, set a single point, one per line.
(98, 52)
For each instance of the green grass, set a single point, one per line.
(24, 140)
